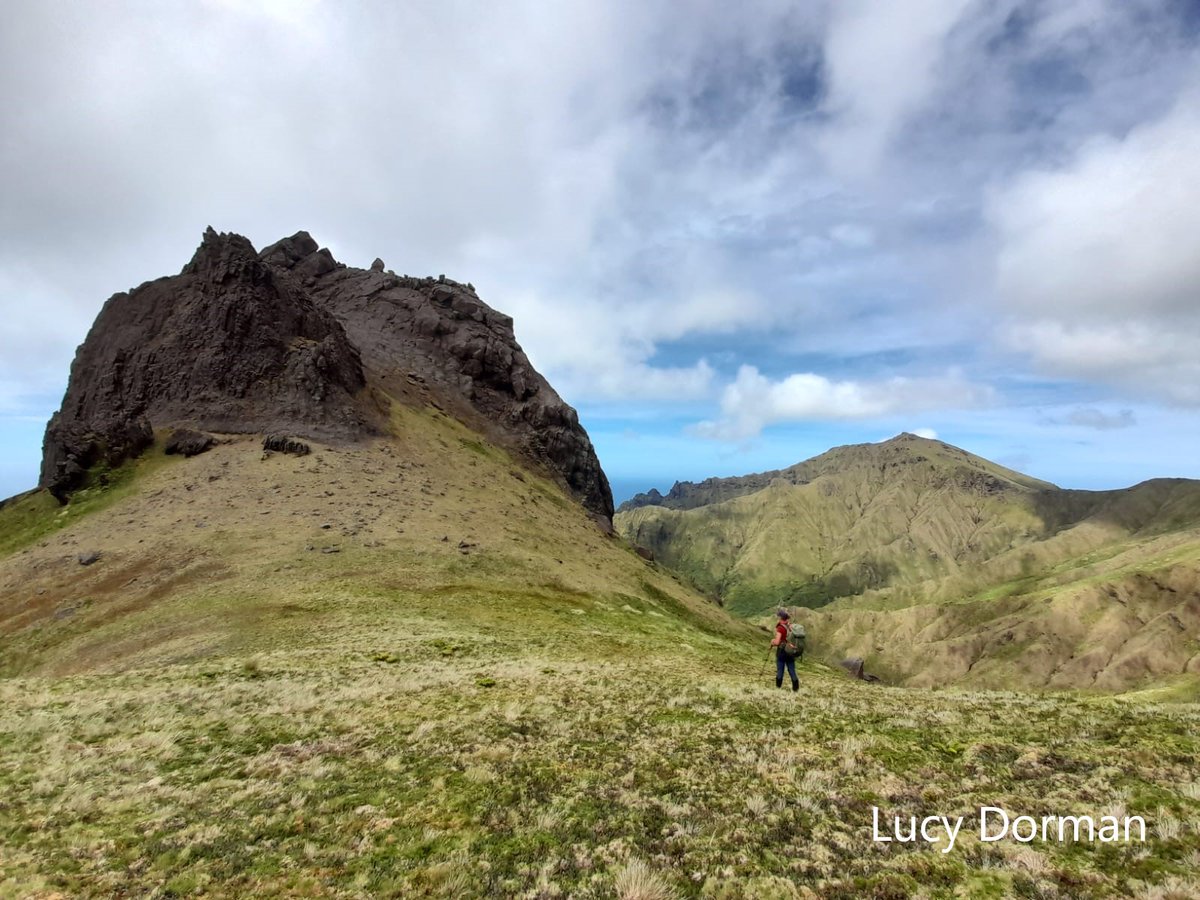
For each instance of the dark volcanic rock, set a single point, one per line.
(689, 495)
(460, 354)
(290, 342)
(185, 442)
(226, 345)
(855, 667)
(652, 497)
(282, 444)
(73, 445)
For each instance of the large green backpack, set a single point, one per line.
(793, 644)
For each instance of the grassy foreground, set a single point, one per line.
(475, 694)
(389, 760)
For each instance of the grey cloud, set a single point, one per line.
(1101, 421)
(1098, 419)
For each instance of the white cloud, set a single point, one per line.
(1150, 356)
(1115, 232)
(883, 60)
(605, 349)
(1099, 260)
(753, 401)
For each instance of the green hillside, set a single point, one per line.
(411, 668)
(940, 566)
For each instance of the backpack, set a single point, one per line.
(793, 644)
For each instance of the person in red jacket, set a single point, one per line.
(783, 659)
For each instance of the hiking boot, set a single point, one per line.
(795, 685)
(778, 682)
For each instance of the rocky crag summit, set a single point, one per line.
(291, 341)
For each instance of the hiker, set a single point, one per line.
(789, 646)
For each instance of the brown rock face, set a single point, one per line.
(433, 338)
(223, 346)
(288, 342)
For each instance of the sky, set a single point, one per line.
(731, 235)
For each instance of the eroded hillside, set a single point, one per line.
(216, 553)
(940, 566)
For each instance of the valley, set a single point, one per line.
(941, 567)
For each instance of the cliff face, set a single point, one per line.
(225, 345)
(433, 338)
(290, 340)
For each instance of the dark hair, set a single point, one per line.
(784, 614)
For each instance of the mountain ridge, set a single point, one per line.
(917, 537)
(688, 495)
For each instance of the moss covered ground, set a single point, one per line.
(396, 757)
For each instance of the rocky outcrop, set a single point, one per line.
(855, 666)
(652, 497)
(185, 442)
(224, 346)
(433, 338)
(290, 341)
(691, 495)
(280, 443)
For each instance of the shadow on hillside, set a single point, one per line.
(1156, 506)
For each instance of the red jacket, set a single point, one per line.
(781, 633)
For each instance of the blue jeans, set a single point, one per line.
(783, 660)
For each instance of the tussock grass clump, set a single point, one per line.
(637, 881)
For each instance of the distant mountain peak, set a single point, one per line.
(907, 447)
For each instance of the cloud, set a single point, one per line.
(1147, 355)
(1115, 232)
(927, 433)
(1094, 418)
(856, 189)
(882, 61)
(752, 401)
(604, 350)
(1099, 259)
(601, 157)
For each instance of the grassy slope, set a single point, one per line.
(35, 515)
(214, 709)
(859, 518)
(938, 566)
